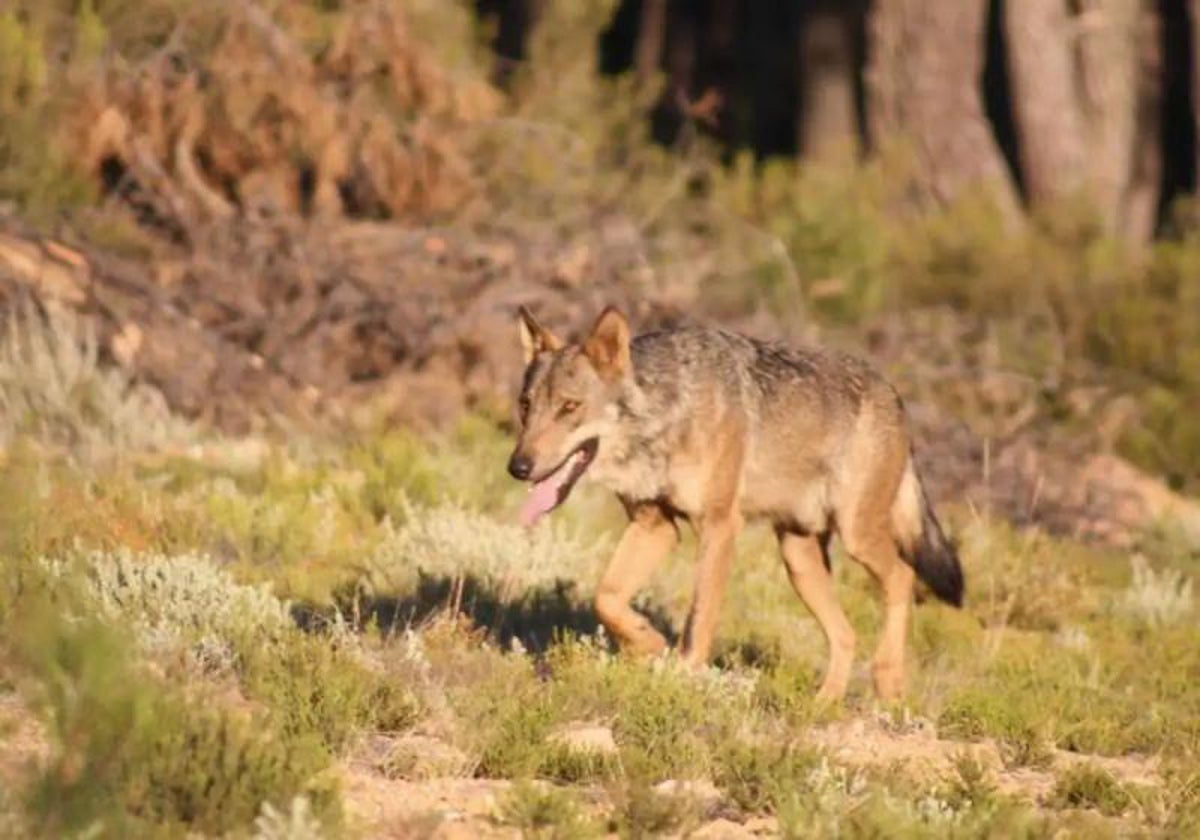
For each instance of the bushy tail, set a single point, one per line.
(923, 544)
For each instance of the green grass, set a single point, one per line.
(547, 812)
(1086, 786)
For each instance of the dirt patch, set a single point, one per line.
(461, 807)
(457, 809)
(878, 743)
(26, 745)
(447, 809)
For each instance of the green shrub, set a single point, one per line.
(454, 542)
(35, 170)
(641, 811)
(973, 714)
(542, 811)
(135, 755)
(54, 387)
(758, 775)
(316, 691)
(515, 745)
(1089, 786)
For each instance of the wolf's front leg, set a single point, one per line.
(718, 532)
(649, 538)
(719, 524)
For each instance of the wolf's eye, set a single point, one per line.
(569, 407)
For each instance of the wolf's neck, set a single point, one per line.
(634, 455)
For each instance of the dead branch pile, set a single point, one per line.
(257, 124)
(291, 317)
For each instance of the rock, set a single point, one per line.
(586, 738)
(703, 792)
(724, 829)
(1136, 499)
(413, 757)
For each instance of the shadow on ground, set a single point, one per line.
(535, 619)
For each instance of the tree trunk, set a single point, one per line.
(1195, 69)
(826, 123)
(1086, 100)
(1108, 74)
(516, 20)
(1142, 196)
(652, 32)
(1049, 125)
(924, 80)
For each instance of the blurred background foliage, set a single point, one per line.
(843, 162)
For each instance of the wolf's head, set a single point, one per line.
(567, 406)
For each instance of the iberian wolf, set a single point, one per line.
(714, 428)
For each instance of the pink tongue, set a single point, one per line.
(544, 495)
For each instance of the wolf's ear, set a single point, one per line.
(534, 337)
(608, 345)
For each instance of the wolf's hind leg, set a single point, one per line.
(875, 470)
(874, 547)
(808, 568)
(647, 540)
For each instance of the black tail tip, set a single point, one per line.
(937, 565)
(935, 559)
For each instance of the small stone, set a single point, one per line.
(702, 791)
(721, 829)
(586, 738)
(418, 757)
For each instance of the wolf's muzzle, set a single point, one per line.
(520, 466)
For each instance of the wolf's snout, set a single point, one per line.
(520, 466)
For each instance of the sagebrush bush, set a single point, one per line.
(316, 690)
(1158, 598)
(297, 822)
(454, 542)
(188, 594)
(182, 602)
(54, 387)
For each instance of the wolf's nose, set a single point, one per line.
(520, 466)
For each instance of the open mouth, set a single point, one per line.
(552, 490)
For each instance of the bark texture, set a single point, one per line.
(652, 32)
(1046, 107)
(1087, 96)
(827, 122)
(1194, 8)
(925, 64)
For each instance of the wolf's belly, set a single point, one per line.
(790, 494)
